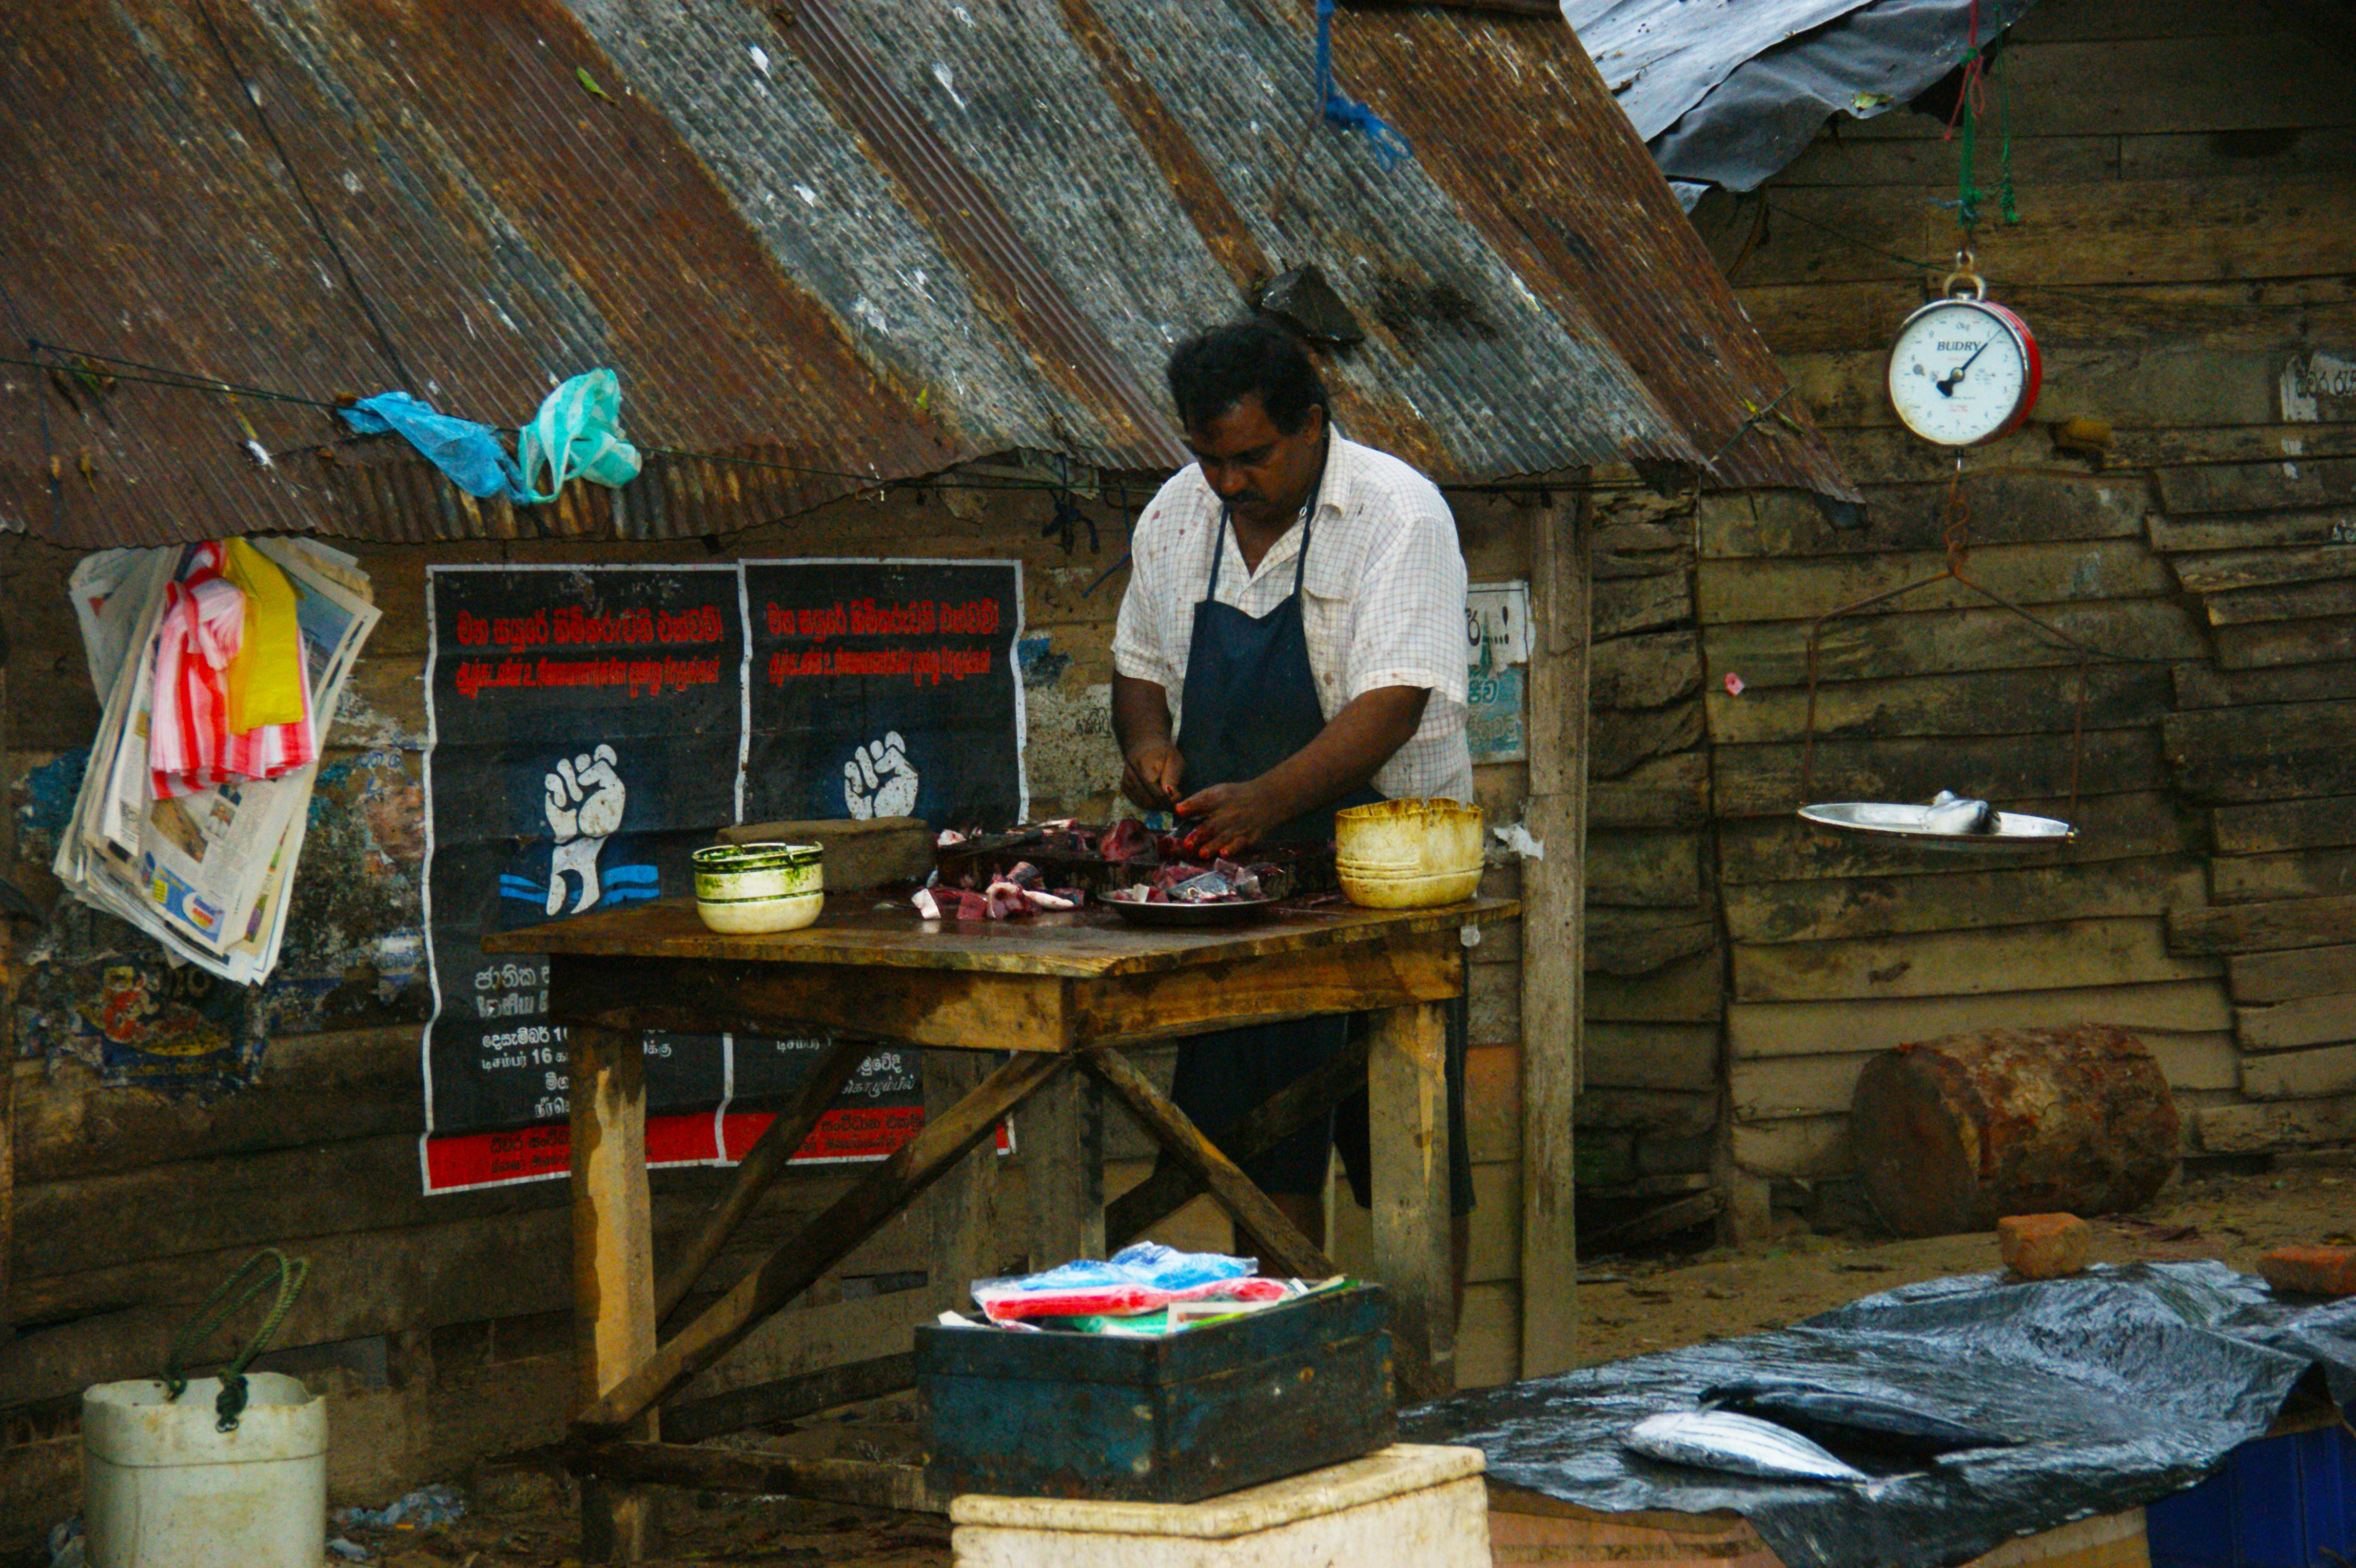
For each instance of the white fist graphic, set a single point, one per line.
(878, 782)
(584, 803)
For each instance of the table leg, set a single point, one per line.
(1060, 1136)
(613, 1264)
(1407, 1088)
(1282, 1249)
(965, 1198)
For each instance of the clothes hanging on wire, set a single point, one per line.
(190, 743)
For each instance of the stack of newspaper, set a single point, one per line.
(208, 874)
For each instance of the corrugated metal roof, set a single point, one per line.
(842, 242)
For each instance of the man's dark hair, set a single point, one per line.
(1211, 372)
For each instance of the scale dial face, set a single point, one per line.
(1963, 371)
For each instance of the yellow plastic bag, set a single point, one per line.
(265, 678)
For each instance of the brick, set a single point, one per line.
(2311, 1271)
(2043, 1246)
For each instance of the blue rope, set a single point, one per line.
(1344, 112)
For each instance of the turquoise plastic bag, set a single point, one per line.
(577, 434)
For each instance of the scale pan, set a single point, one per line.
(2013, 831)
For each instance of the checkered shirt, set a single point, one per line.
(1383, 600)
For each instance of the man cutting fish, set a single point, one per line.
(1301, 598)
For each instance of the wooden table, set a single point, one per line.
(1054, 991)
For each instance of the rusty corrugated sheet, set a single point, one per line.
(866, 242)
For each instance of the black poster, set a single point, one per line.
(587, 727)
(884, 688)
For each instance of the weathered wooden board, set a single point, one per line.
(1692, 991)
(2203, 686)
(2276, 1124)
(1755, 1029)
(2147, 19)
(1875, 906)
(1644, 866)
(2286, 642)
(1648, 670)
(1670, 1112)
(2098, 232)
(2261, 977)
(1882, 647)
(2292, 532)
(1800, 1145)
(1621, 740)
(1667, 792)
(1796, 1086)
(2225, 571)
(2262, 928)
(2110, 827)
(1651, 1056)
(2210, 487)
(2296, 601)
(2293, 873)
(1638, 941)
(2323, 1020)
(1885, 161)
(1769, 589)
(1492, 1103)
(1493, 1004)
(1984, 702)
(1765, 780)
(1895, 456)
(2063, 954)
(2263, 753)
(2125, 84)
(2300, 1075)
(1626, 604)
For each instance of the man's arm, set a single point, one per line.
(1151, 766)
(1351, 749)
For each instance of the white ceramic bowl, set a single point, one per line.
(1407, 854)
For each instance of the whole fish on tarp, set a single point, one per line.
(1837, 1416)
(1720, 1440)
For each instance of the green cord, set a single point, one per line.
(217, 1311)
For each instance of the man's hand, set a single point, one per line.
(1228, 819)
(1149, 776)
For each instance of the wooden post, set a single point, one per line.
(1061, 1135)
(1406, 1095)
(964, 1199)
(1553, 935)
(613, 1264)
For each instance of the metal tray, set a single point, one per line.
(1227, 912)
(2015, 830)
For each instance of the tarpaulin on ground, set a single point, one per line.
(2118, 1386)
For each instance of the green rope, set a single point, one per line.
(217, 1311)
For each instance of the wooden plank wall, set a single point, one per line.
(2187, 189)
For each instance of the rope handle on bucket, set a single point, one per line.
(217, 1311)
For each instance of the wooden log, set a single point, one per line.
(612, 1264)
(789, 1399)
(2127, 952)
(2262, 928)
(1172, 1185)
(2261, 977)
(1953, 1134)
(862, 1483)
(791, 1268)
(1408, 1102)
(761, 1166)
(1277, 1241)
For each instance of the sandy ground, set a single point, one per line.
(526, 1517)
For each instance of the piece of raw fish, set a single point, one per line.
(1949, 813)
(1720, 1440)
(1837, 1416)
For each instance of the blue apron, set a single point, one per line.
(1250, 701)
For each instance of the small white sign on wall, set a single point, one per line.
(1497, 648)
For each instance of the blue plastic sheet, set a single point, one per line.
(2118, 1387)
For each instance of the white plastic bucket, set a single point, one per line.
(162, 1489)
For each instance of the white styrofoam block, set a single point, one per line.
(1405, 1506)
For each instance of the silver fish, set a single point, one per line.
(1949, 813)
(1720, 1440)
